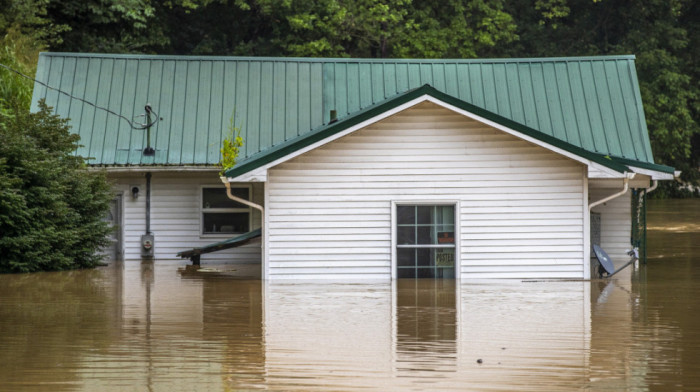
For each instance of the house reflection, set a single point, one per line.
(232, 317)
(426, 326)
(347, 336)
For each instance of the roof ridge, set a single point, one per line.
(339, 60)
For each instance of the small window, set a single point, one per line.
(425, 241)
(221, 215)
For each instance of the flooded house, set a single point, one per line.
(365, 168)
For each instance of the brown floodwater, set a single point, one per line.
(147, 327)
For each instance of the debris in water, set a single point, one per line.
(479, 361)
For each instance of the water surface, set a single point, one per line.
(146, 327)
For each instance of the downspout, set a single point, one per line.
(245, 202)
(625, 187)
(148, 203)
(652, 187)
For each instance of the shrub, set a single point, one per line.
(51, 205)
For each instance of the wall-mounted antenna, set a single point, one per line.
(148, 151)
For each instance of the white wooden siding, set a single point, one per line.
(520, 206)
(176, 216)
(615, 217)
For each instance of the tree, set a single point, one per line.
(19, 52)
(337, 28)
(51, 205)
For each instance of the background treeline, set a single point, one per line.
(663, 34)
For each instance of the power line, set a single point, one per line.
(131, 124)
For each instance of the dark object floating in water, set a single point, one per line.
(479, 361)
(606, 265)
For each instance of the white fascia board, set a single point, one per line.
(338, 135)
(257, 175)
(522, 136)
(596, 170)
(655, 175)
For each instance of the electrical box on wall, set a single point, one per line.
(147, 245)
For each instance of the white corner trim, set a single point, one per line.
(586, 229)
(265, 273)
(394, 262)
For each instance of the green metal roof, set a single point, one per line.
(588, 102)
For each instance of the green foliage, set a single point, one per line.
(51, 206)
(456, 29)
(19, 52)
(230, 147)
(331, 28)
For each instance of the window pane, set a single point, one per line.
(217, 198)
(425, 235)
(423, 258)
(445, 273)
(406, 257)
(406, 273)
(425, 273)
(406, 215)
(406, 235)
(425, 215)
(445, 215)
(226, 222)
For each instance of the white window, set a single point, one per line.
(425, 241)
(221, 215)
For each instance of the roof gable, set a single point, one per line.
(591, 103)
(382, 110)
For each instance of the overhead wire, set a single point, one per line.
(131, 123)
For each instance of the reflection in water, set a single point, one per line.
(46, 321)
(426, 327)
(232, 318)
(145, 327)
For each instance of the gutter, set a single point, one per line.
(245, 202)
(625, 187)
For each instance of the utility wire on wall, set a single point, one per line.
(131, 123)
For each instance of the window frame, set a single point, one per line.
(432, 203)
(202, 210)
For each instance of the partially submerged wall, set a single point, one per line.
(176, 216)
(520, 207)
